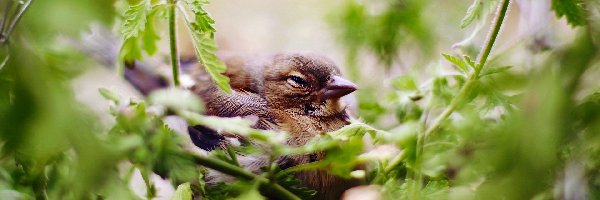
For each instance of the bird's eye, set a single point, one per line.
(296, 81)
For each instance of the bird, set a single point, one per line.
(298, 93)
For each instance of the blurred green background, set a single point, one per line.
(530, 132)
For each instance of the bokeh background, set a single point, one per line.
(531, 133)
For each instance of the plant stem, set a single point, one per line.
(474, 77)
(173, 42)
(467, 87)
(491, 38)
(388, 168)
(266, 186)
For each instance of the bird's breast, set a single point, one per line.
(303, 128)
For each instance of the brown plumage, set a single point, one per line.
(296, 93)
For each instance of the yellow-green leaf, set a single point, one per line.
(183, 192)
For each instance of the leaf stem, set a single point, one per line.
(173, 42)
(266, 186)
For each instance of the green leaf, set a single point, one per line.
(130, 50)
(219, 191)
(205, 22)
(169, 158)
(493, 70)
(404, 82)
(343, 160)
(457, 62)
(294, 185)
(178, 99)
(196, 5)
(134, 27)
(205, 50)
(135, 19)
(404, 135)
(316, 144)
(149, 36)
(183, 192)
(469, 61)
(236, 125)
(203, 34)
(473, 12)
(109, 95)
(355, 129)
(408, 111)
(573, 10)
(442, 92)
(435, 189)
(250, 195)
(150, 187)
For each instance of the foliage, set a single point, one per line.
(491, 126)
(139, 27)
(572, 10)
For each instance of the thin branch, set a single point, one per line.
(482, 58)
(471, 82)
(266, 186)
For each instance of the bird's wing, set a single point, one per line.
(234, 104)
(244, 72)
(238, 103)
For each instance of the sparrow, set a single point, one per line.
(298, 93)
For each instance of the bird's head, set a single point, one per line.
(305, 84)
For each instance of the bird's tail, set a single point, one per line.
(103, 45)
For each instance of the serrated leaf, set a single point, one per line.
(457, 62)
(203, 20)
(183, 192)
(205, 51)
(135, 19)
(573, 10)
(134, 29)
(294, 185)
(494, 70)
(196, 5)
(203, 34)
(149, 36)
(469, 61)
(473, 12)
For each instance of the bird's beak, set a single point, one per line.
(337, 88)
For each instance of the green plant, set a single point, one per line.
(497, 127)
